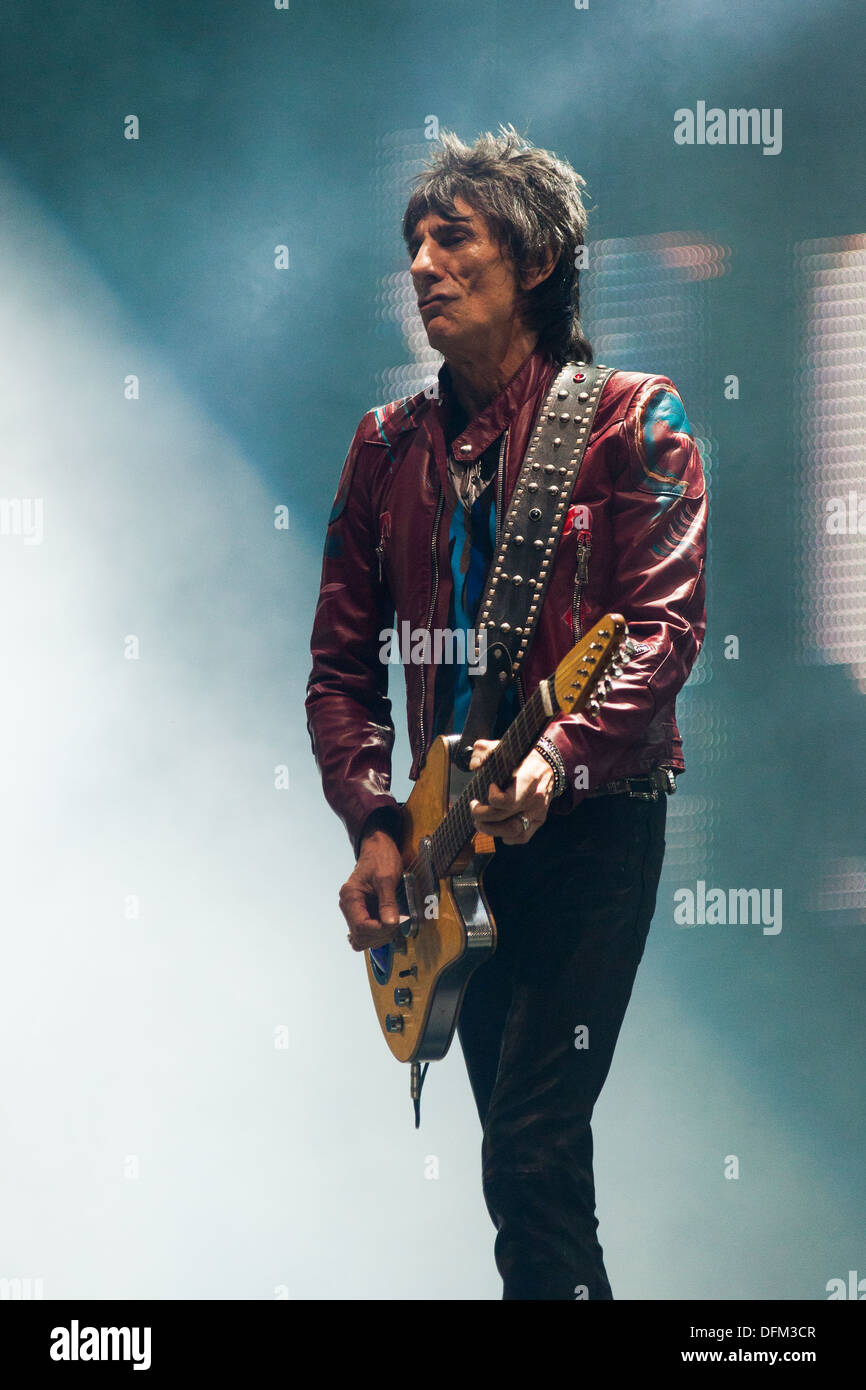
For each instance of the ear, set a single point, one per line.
(536, 274)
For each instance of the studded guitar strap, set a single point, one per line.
(534, 519)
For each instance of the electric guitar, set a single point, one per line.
(446, 927)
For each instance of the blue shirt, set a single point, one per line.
(471, 547)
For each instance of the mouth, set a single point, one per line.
(431, 301)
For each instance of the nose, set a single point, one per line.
(423, 269)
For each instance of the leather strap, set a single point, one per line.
(521, 569)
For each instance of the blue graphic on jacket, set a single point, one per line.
(665, 435)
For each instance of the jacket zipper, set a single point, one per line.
(500, 491)
(384, 534)
(584, 547)
(434, 547)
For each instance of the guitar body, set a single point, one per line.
(418, 983)
(446, 927)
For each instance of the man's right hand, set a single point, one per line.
(368, 898)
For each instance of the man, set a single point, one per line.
(493, 233)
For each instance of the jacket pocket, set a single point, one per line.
(581, 570)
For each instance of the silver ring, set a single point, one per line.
(526, 822)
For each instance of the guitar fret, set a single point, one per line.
(457, 828)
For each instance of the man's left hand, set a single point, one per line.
(528, 795)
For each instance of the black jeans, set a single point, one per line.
(539, 1024)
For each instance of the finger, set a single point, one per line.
(389, 913)
(515, 833)
(353, 905)
(371, 933)
(484, 814)
(481, 749)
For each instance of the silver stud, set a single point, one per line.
(584, 396)
(466, 448)
(532, 487)
(518, 540)
(505, 627)
(549, 468)
(539, 545)
(557, 441)
(564, 417)
(553, 490)
(517, 579)
(562, 395)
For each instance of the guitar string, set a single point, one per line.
(456, 828)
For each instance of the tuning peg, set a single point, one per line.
(594, 706)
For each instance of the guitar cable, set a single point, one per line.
(416, 1083)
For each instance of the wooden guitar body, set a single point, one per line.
(418, 983)
(447, 930)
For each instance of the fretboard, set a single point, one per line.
(457, 828)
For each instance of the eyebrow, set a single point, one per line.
(445, 221)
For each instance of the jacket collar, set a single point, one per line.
(498, 415)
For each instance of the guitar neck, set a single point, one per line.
(457, 828)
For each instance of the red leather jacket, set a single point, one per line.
(638, 549)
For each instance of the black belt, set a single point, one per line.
(662, 780)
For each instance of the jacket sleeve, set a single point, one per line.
(658, 526)
(348, 711)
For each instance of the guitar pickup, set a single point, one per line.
(422, 890)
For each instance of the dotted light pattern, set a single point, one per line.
(692, 819)
(399, 155)
(645, 306)
(688, 835)
(842, 888)
(832, 433)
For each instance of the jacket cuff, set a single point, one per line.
(388, 818)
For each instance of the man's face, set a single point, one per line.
(465, 284)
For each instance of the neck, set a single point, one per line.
(480, 373)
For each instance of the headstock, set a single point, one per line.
(582, 678)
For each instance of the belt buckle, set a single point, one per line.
(662, 780)
(652, 795)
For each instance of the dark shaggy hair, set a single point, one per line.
(532, 203)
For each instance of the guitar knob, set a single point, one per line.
(393, 1023)
(402, 996)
